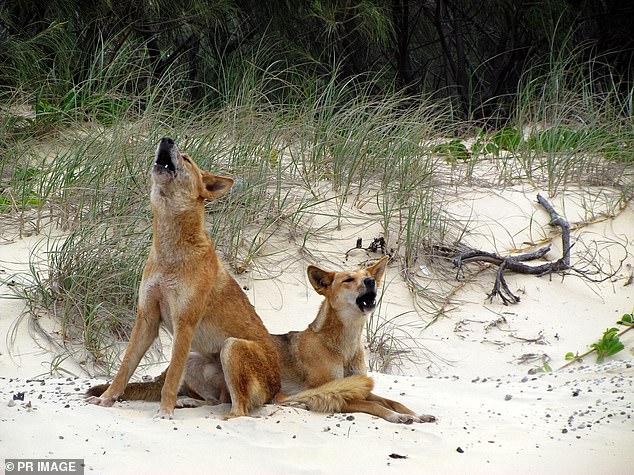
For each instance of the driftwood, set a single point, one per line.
(516, 263)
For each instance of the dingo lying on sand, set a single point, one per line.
(327, 360)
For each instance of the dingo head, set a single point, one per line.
(175, 175)
(349, 292)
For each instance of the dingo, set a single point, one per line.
(185, 287)
(326, 362)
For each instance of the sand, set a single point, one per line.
(470, 369)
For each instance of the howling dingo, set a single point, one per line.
(186, 288)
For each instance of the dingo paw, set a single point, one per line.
(426, 418)
(100, 401)
(188, 402)
(164, 414)
(400, 418)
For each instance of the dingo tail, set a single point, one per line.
(143, 391)
(333, 395)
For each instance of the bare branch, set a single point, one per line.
(516, 263)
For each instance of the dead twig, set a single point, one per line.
(378, 244)
(516, 263)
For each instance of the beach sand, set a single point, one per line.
(470, 369)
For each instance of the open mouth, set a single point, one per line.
(166, 156)
(367, 301)
(163, 162)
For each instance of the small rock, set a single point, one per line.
(459, 450)
(508, 397)
(11, 403)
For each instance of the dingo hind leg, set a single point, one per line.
(376, 409)
(204, 382)
(250, 373)
(401, 409)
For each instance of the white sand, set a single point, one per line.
(578, 420)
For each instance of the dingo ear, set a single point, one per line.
(320, 279)
(378, 269)
(214, 186)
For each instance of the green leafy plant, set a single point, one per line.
(508, 138)
(482, 144)
(608, 345)
(556, 139)
(7, 204)
(452, 151)
(545, 368)
(19, 193)
(627, 319)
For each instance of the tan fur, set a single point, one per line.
(324, 365)
(186, 288)
(332, 396)
(145, 391)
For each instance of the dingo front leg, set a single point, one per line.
(143, 334)
(180, 351)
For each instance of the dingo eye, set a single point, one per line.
(349, 279)
(186, 159)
